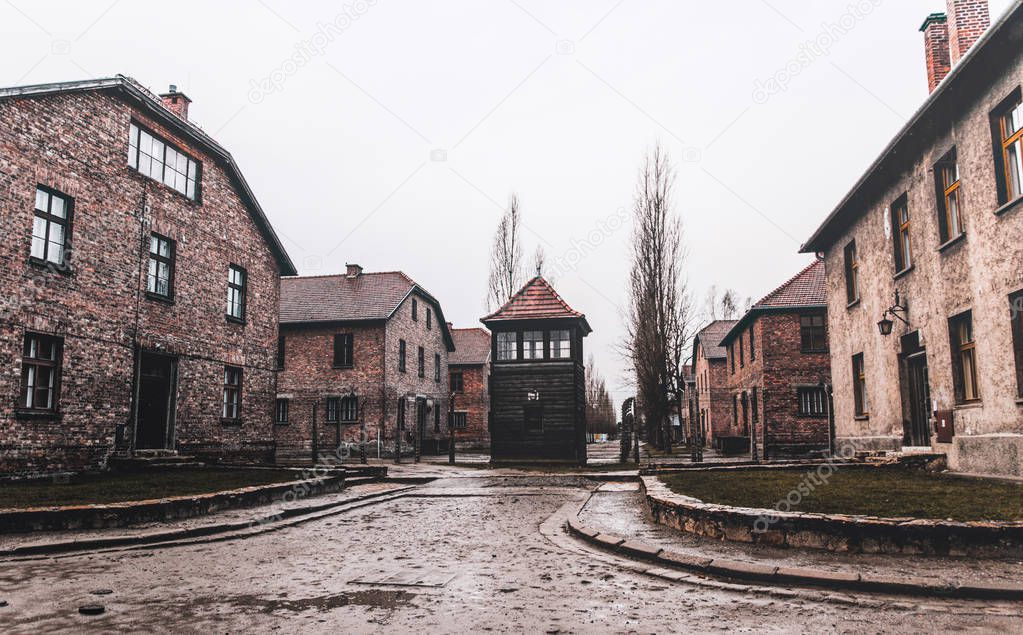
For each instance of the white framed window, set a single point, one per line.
(561, 344)
(161, 161)
(532, 345)
(507, 347)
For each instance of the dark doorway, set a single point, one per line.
(157, 380)
(917, 392)
(421, 421)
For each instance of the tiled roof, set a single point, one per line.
(711, 337)
(537, 300)
(133, 91)
(806, 288)
(472, 347)
(368, 296)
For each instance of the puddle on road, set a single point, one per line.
(374, 598)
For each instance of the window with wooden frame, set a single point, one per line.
(735, 410)
(964, 358)
(946, 174)
(752, 346)
(159, 160)
(459, 420)
(852, 273)
(344, 350)
(333, 409)
(236, 290)
(742, 352)
(436, 367)
(281, 352)
(421, 362)
(755, 404)
(813, 334)
(429, 318)
(731, 357)
(51, 228)
(401, 356)
(813, 401)
(160, 277)
(532, 345)
(561, 344)
(281, 411)
(1016, 316)
(415, 310)
(457, 382)
(861, 402)
(900, 234)
(348, 409)
(232, 393)
(1007, 122)
(40, 372)
(507, 346)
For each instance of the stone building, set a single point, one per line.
(537, 378)
(923, 258)
(140, 283)
(778, 370)
(469, 368)
(710, 404)
(363, 355)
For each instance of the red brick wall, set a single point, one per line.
(475, 402)
(77, 144)
(714, 397)
(780, 368)
(967, 21)
(936, 51)
(309, 378)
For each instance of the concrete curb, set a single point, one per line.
(52, 548)
(831, 532)
(754, 572)
(116, 515)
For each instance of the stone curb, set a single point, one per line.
(179, 534)
(831, 532)
(754, 572)
(114, 515)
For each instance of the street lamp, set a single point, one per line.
(896, 311)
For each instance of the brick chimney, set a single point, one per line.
(967, 21)
(176, 102)
(353, 271)
(936, 51)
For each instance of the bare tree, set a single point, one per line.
(540, 267)
(710, 304)
(600, 411)
(506, 258)
(659, 313)
(729, 305)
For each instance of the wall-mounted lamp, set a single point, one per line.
(895, 311)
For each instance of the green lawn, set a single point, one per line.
(884, 492)
(110, 487)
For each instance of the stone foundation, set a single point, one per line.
(996, 454)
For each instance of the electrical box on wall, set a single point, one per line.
(944, 425)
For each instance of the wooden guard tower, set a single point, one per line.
(537, 378)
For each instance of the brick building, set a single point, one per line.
(936, 219)
(362, 353)
(469, 368)
(778, 369)
(140, 282)
(710, 402)
(537, 379)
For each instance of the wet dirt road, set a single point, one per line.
(458, 555)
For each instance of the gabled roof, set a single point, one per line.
(711, 336)
(472, 347)
(537, 300)
(982, 64)
(367, 297)
(805, 290)
(135, 93)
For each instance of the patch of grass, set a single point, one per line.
(112, 487)
(884, 492)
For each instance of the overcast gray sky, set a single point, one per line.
(390, 133)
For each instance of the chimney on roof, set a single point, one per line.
(177, 102)
(353, 271)
(936, 51)
(967, 21)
